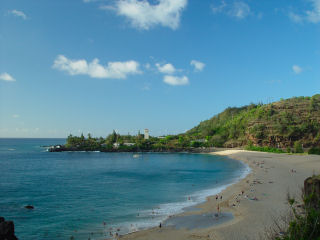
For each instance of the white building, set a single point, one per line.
(116, 145)
(146, 134)
(129, 144)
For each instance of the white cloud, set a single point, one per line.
(166, 68)
(312, 15)
(198, 66)
(144, 15)
(295, 17)
(18, 14)
(297, 69)
(6, 77)
(176, 81)
(237, 9)
(94, 69)
(15, 115)
(219, 8)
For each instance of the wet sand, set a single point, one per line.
(249, 214)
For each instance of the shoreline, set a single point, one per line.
(260, 197)
(184, 208)
(196, 207)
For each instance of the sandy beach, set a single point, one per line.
(255, 202)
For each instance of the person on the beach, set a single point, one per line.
(160, 225)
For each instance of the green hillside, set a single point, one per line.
(292, 123)
(279, 124)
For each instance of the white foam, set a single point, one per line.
(163, 211)
(152, 217)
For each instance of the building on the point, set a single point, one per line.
(116, 145)
(146, 134)
(129, 144)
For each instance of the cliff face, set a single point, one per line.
(279, 124)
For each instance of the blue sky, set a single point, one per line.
(96, 65)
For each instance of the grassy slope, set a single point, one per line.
(279, 124)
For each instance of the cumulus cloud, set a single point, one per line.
(144, 15)
(6, 77)
(297, 69)
(18, 13)
(176, 81)
(114, 70)
(198, 66)
(166, 68)
(312, 15)
(237, 9)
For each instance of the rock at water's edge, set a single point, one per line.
(7, 230)
(29, 207)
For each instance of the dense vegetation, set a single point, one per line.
(314, 150)
(290, 125)
(128, 143)
(264, 149)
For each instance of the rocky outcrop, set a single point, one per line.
(7, 230)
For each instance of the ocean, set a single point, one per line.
(87, 195)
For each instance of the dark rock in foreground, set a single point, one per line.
(7, 230)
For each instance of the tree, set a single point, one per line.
(112, 138)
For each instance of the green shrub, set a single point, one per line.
(263, 149)
(195, 144)
(217, 141)
(258, 131)
(298, 147)
(314, 150)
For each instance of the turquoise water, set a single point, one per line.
(75, 193)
